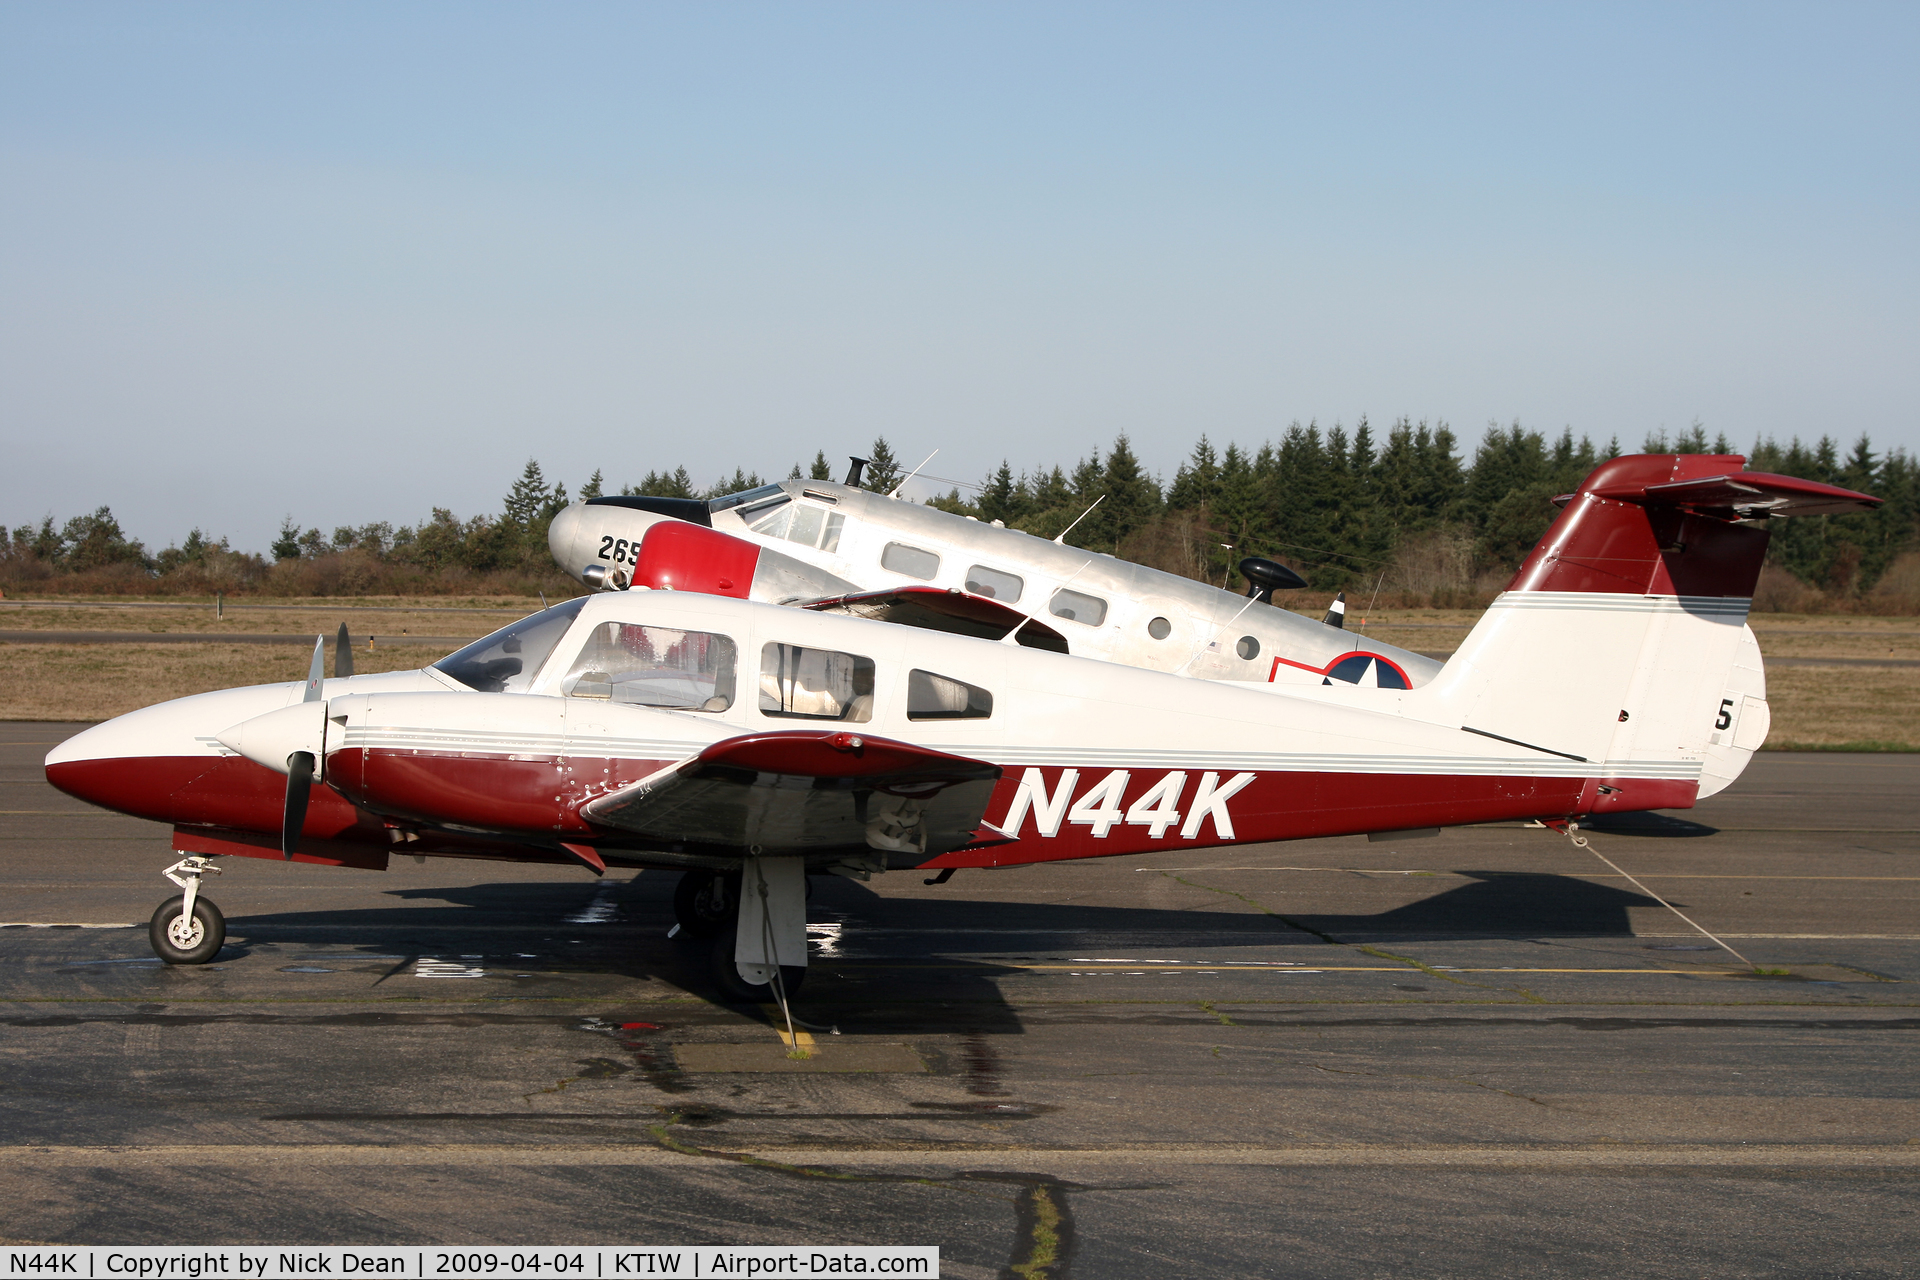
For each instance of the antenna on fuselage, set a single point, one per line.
(853, 472)
(911, 474)
(1012, 636)
(1061, 539)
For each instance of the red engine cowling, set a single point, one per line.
(675, 556)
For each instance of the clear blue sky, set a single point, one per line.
(352, 261)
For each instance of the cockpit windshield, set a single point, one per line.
(509, 659)
(733, 500)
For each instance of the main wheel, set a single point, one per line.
(179, 938)
(736, 989)
(705, 902)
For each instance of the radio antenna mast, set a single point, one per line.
(1061, 540)
(911, 474)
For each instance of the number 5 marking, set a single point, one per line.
(1725, 718)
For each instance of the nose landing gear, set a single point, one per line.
(188, 929)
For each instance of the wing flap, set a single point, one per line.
(807, 791)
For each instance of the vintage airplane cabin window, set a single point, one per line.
(912, 561)
(994, 584)
(1076, 606)
(654, 667)
(509, 659)
(932, 697)
(815, 684)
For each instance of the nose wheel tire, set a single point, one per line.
(736, 989)
(179, 938)
(705, 902)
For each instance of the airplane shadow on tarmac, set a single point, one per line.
(556, 922)
(1493, 904)
(899, 965)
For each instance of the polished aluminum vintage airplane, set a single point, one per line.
(823, 543)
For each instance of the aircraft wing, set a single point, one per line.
(806, 791)
(944, 609)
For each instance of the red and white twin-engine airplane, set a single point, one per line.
(749, 745)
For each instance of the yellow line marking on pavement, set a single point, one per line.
(798, 1040)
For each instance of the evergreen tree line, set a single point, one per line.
(1401, 514)
(1405, 515)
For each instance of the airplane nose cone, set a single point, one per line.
(271, 738)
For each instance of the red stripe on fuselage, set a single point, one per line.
(1278, 806)
(543, 795)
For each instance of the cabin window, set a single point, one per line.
(1159, 628)
(993, 584)
(1076, 606)
(912, 561)
(509, 659)
(815, 684)
(1248, 648)
(932, 697)
(654, 667)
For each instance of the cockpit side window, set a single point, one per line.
(800, 522)
(509, 659)
(815, 684)
(994, 584)
(770, 518)
(654, 667)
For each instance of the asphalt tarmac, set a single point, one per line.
(1480, 1054)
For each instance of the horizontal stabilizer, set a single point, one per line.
(807, 791)
(945, 609)
(1745, 495)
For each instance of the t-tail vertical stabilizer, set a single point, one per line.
(1622, 640)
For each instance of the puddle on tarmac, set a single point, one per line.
(601, 910)
(433, 967)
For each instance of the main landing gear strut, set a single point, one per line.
(188, 929)
(756, 917)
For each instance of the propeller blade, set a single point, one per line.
(299, 787)
(342, 654)
(316, 672)
(1337, 612)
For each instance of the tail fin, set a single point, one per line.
(1622, 640)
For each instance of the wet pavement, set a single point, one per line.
(1484, 1053)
